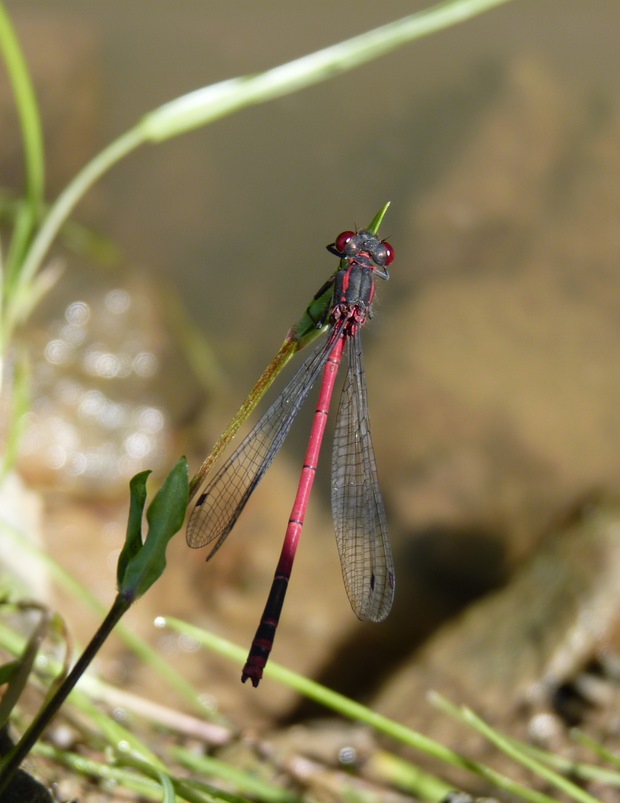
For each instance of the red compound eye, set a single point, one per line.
(389, 251)
(342, 240)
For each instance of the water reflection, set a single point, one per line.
(95, 413)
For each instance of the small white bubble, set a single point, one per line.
(347, 755)
(56, 457)
(57, 429)
(117, 301)
(120, 714)
(125, 365)
(138, 445)
(108, 366)
(150, 419)
(112, 415)
(73, 334)
(145, 364)
(92, 404)
(159, 622)
(78, 313)
(57, 352)
(90, 361)
(62, 736)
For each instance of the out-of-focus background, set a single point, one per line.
(493, 360)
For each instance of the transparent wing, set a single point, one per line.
(219, 506)
(357, 505)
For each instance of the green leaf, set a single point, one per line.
(133, 538)
(143, 564)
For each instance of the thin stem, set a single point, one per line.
(50, 709)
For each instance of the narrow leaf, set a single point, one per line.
(133, 538)
(165, 517)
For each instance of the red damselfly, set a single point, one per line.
(343, 304)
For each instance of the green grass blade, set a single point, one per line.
(210, 103)
(147, 787)
(579, 770)
(246, 782)
(27, 110)
(511, 748)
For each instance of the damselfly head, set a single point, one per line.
(350, 244)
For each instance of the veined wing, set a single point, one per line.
(220, 504)
(357, 504)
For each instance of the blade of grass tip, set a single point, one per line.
(509, 747)
(375, 223)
